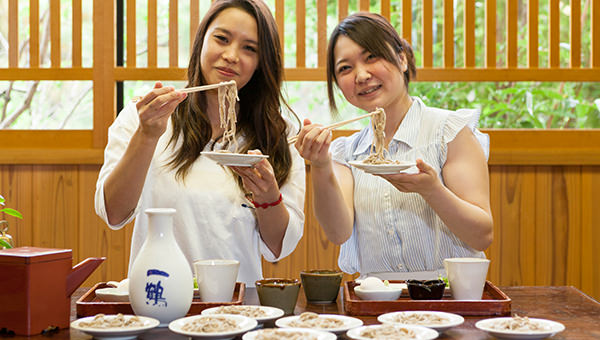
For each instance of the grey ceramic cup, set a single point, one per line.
(321, 286)
(280, 293)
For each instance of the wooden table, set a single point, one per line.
(577, 311)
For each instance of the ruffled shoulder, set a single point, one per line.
(343, 149)
(457, 120)
(460, 118)
(340, 150)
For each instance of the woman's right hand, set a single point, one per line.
(313, 144)
(155, 108)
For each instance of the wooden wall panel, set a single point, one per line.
(55, 207)
(514, 224)
(16, 187)
(95, 238)
(590, 233)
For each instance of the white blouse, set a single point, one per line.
(396, 231)
(212, 221)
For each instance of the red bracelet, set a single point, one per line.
(266, 205)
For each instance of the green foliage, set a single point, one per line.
(5, 239)
(9, 211)
(4, 244)
(519, 104)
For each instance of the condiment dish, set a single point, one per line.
(392, 292)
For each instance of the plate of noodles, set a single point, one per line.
(440, 321)
(518, 327)
(116, 326)
(261, 314)
(233, 159)
(383, 169)
(387, 331)
(288, 334)
(334, 323)
(224, 326)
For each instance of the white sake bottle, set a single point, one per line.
(161, 284)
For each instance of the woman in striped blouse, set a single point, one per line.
(402, 225)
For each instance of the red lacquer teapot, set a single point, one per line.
(36, 287)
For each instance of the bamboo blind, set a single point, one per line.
(103, 72)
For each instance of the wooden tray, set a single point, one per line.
(89, 304)
(494, 302)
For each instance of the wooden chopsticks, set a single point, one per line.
(206, 87)
(338, 124)
(197, 88)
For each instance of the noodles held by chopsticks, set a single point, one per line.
(377, 150)
(227, 98)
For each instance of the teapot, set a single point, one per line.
(36, 288)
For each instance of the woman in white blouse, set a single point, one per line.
(153, 154)
(398, 226)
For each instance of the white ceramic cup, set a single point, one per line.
(216, 279)
(466, 276)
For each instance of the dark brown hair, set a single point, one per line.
(259, 117)
(375, 34)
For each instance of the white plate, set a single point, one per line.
(320, 335)
(382, 169)
(116, 333)
(393, 292)
(553, 327)
(453, 320)
(349, 322)
(421, 333)
(272, 313)
(233, 159)
(245, 324)
(112, 294)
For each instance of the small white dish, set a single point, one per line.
(382, 169)
(392, 292)
(123, 284)
(349, 323)
(244, 324)
(550, 329)
(451, 320)
(421, 333)
(112, 294)
(115, 333)
(233, 159)
(320, 335)
(271, 313)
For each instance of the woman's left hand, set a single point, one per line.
(259, 180)
(425, 182)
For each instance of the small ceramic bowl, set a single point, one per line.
(112, 294)
(321, 286)
(392, 292)
(117, 291)
(426, 290)
(280, 293)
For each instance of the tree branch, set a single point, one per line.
(7, 122)
(79, 100)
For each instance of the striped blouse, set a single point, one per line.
(396, 231)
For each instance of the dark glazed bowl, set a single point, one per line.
(426, 290)
(321, 286)
(280, 293)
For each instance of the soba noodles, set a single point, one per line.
(377, 150)
(519, 324)
(227, 98)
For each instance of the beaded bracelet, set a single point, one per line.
(266, 205)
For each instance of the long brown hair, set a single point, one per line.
(375, 34)
(259, 117)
